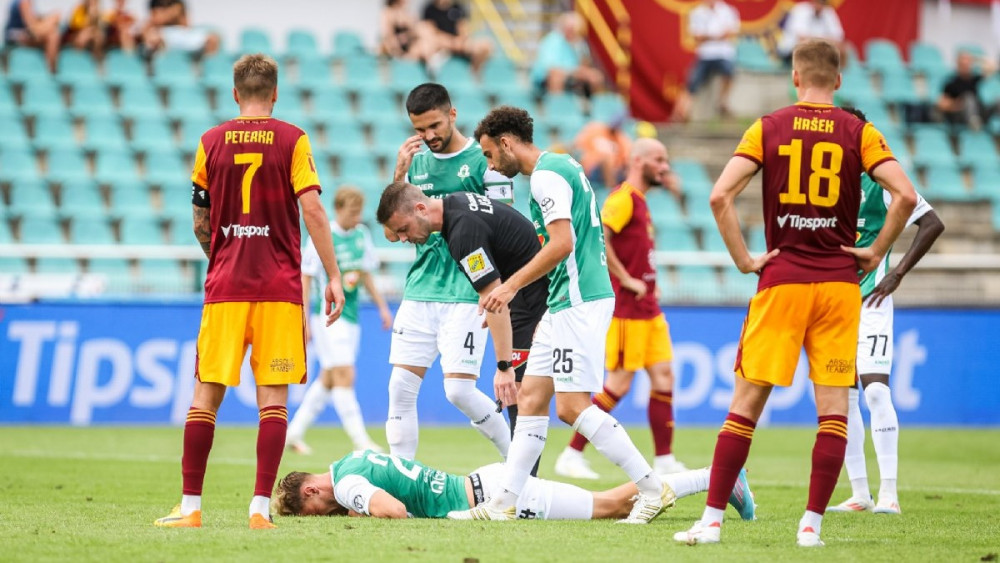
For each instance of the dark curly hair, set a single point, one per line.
(506, 120)
(855, 112)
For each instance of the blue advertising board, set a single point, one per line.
(133, 363)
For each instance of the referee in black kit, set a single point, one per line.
(490, 241)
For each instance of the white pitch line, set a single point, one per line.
(950, 490)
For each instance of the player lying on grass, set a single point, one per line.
(368, 483)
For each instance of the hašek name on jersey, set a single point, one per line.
(807, 223)
(240, 231)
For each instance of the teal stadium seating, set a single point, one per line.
(26, 65)
(90, 230)
(42, 97)
(313, 74)
(255, 40)
(139, 99)
(883, 56)
(152, 135)
(54, 132)
(32, 199)
(76, 68)
(57, 266)
(122, 68)
(81, 198)
(301, 43)
(91, 100)
(104, 132)
(347, 44)
(173, 68)
(926, 59)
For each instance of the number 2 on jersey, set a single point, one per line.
(820, 171)
(383, 459)
(254, 159)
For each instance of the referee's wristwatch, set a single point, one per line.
(504, 365)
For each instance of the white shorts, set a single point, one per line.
(541, 499)
(423, 329)
(336, 345)
(875, 339)
(569, 346)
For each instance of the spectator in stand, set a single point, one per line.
(83, 30)
(563, 60)
(714, 26)
(119, 27)
(448, 24)
(27, 28)
(959, 103)
(814, 19)
(402, 37)
(168, 28)
(603, 149)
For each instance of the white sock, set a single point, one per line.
(689, 482)
(527, 445)
(885, 437)
(345, 402)
(402, 430)
(260, 505)
(474, 404)
(854, 457)
(608, 436)
(313, 403)
(190, 503)
(712, 515)
(811, 520)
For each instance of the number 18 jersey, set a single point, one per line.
(812, 156)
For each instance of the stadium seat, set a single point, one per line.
(607, 107)
(756, 239)
(80, 197)
(693, 177)
(932, 148)
(42, 98)
(7, 101)
(75, 68)
(66, 163)
(347, 44)
(975, 147)
(989, 90)
(173, 68)
(560, 105)
(47, 265)
(312, 74)
(104, 132)
(90, 230)
(675, 237)
(255, 40)
(343, 134)
(31, 199)
(6, 235)
(139, 99)
(737, 286)
(926, 59)
(663, 209)
(135, 230)
(390, 134)
(517, 97)
(217, 72)
(301, 43)
(565, 127)
(156, 276)
(54, 132)
(945, 183)
(711, 241)
(897, 87)
(331, 103)
(15, 135)
(165, 166)
(750, 55)
(499, 74)
(380, 106)
(359, 165)
(856, 88)
(455, 74)
(14, 264)
(405, 74)
(113, 167)
(131, 200)
(41, 230)
(121, 68)
(26, 65)
(361, 74)
(116, 271)
(471, 105)
(185, 100)
(882, 56)
(986, 181)
(152, 135)
(90, 100)
(697, 283)
(192, 128)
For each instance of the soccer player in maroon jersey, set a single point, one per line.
(639, 336)
(250, 176)
(812, 155)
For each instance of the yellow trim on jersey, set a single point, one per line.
(874, 149)
(617, 209)
(200, 174)
(752, 143)
(303, 168)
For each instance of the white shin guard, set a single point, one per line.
(482, 412)
(402, 429)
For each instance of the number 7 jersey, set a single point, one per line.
(250, 172)
(812, 156)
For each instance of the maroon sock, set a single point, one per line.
(199, 432)
(661, 421)
(605, 400)
(731, 451)
(270, 446)
(827, 459)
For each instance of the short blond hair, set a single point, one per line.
(818, 63)
(255, 76)
(347, 195)
(287, 500)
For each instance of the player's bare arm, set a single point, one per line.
(617, 269)
(383, 309)
(734, 179)
(306, 285)
(203, 229)
(929, 228)
(384, 505)
(318, 225)
(556, 250)
(404, 158)
(893, 179)
(504, 388)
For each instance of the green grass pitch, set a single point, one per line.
(91, 494)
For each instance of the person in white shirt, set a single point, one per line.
(814, 19)
(714, 26)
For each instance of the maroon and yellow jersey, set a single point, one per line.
(812, 156)
(626, 214)
(250, 172)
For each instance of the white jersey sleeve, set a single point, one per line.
(498, 186)
(311, 264)
(919, 210)
(354, 492)
(370, 261)
(553, 194)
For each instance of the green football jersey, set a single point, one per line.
(425, 491)
(435, 276)
(560, 190)
(355, 254)
(871, 218)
